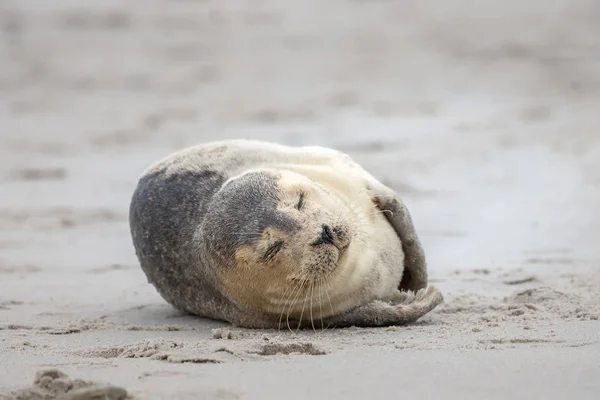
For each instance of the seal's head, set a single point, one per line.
(276, 236)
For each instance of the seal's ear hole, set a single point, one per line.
(300, 202)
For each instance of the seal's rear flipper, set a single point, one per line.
(379, 313)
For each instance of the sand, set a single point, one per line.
(483, 116)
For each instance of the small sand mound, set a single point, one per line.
(53, 384)
(554, 303)
(223, 333)
(289, 348)
(538, 295)
(147, 349)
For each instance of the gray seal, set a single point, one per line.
(263, 235)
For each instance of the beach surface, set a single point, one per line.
(483, 116)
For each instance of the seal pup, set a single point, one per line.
(261, 235)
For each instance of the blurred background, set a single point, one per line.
(482, 115)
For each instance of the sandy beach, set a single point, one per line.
(483, 116)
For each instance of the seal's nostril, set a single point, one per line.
(327, 234)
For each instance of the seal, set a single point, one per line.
(259, 234)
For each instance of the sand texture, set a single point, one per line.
(484, 116)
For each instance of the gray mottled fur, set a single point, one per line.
(171, 227)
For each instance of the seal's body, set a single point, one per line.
(260, 234)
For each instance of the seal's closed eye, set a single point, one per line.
(300, 201)
(272, 250)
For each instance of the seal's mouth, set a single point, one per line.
(342, 251)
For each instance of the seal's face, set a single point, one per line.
(278, 236)
(316, 248)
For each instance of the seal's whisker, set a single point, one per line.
(287, 289)
(287, 319)
(291, 289)
(303, 307)
(321, 301)
(288, 304)
(327, 286)
(382, 212)
(312, 291)
(353, 213)
(353, 206)
(327, 290)
(298, 291)
(362, 239)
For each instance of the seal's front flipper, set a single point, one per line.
(415, 264)
(379, 313)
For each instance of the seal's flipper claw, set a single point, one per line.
(423, 302)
